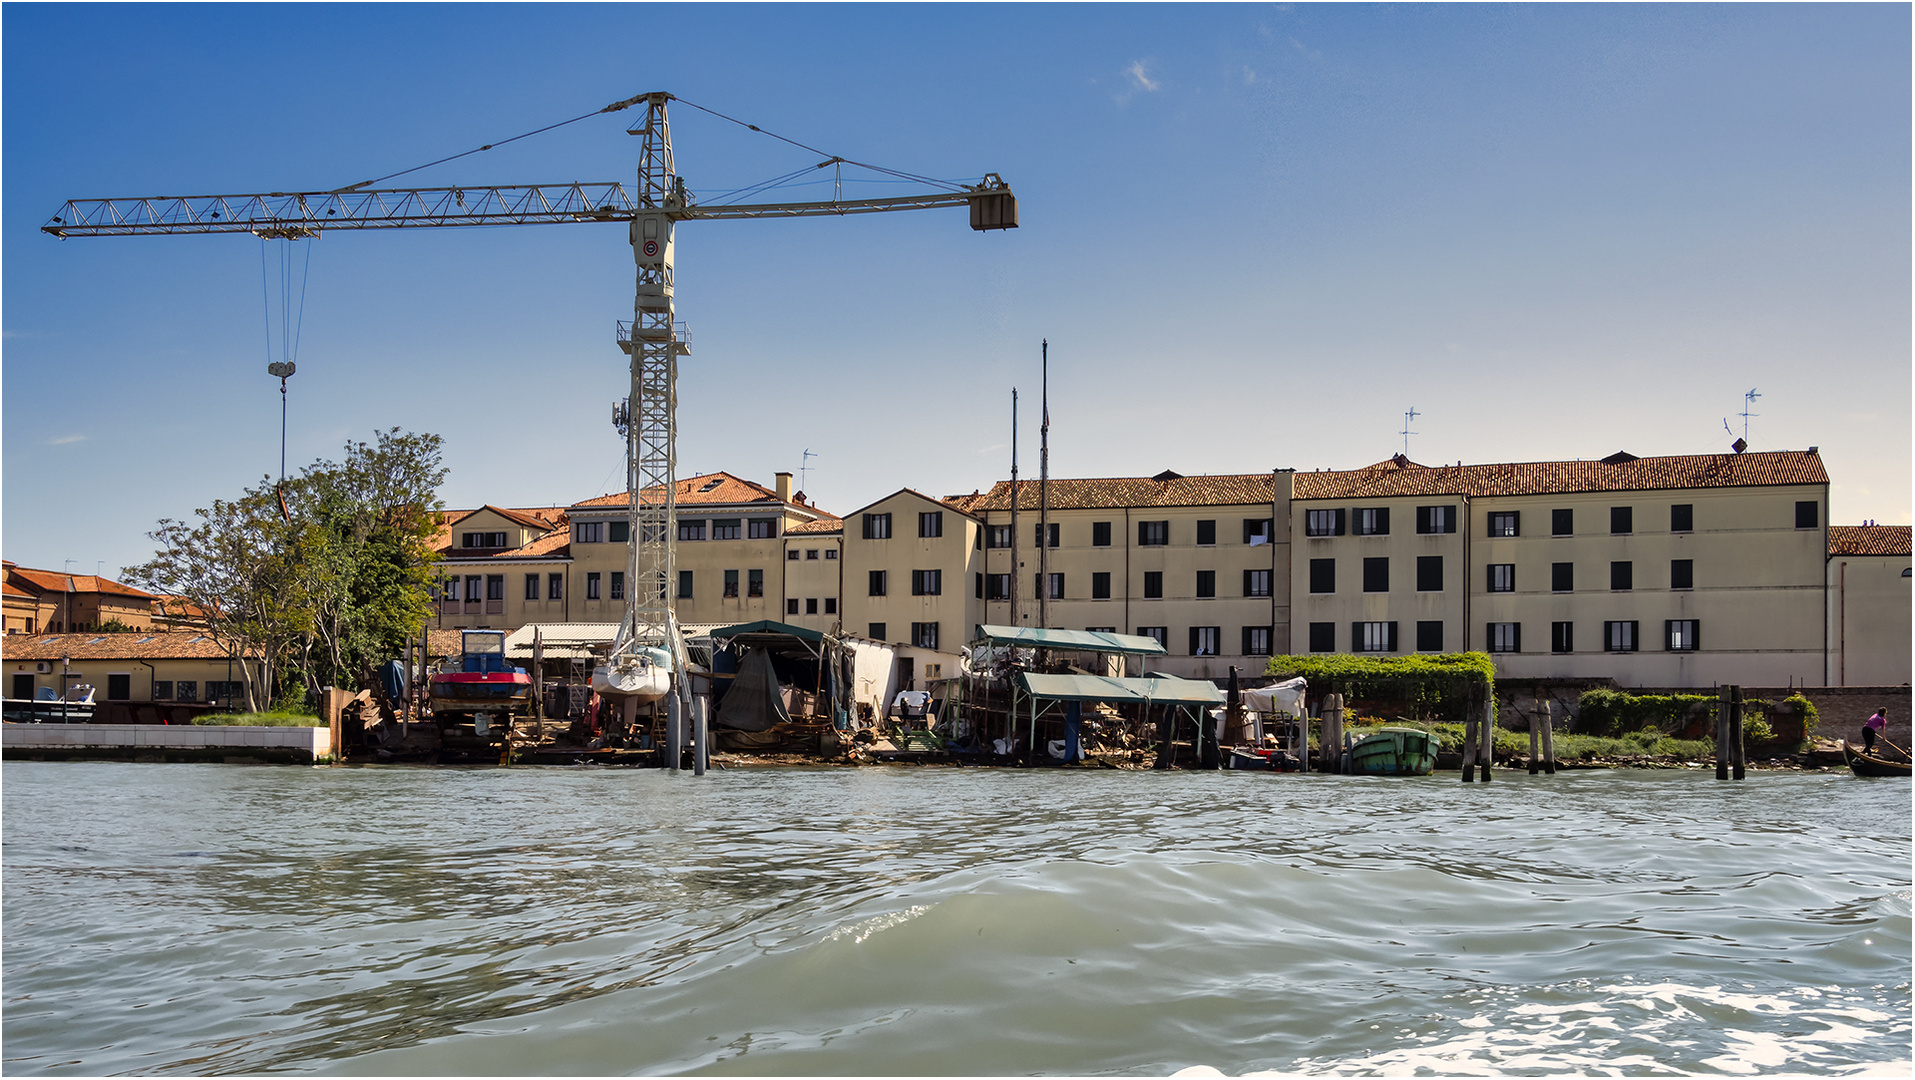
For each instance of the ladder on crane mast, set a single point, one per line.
(648, 658)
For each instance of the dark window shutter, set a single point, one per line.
(1340, 521)
(1383, 521)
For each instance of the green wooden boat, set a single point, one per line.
(1394, 752)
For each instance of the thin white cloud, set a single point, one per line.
(65, 439)
(1140, 74)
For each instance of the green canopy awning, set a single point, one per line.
(1158, 689)
(1081, 640)
(767, 626)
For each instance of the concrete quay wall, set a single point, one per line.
(163, 742)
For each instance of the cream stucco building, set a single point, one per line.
(1868, 589)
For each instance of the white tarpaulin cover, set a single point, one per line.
(1283, 697)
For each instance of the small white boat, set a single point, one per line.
(644, 673)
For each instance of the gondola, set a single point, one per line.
(1865, 765)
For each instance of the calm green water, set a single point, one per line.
(227, 919)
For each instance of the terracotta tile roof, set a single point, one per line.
(1868, 540)
(822, 525)
(47, 581)
(1126, 491)
(551, 521)
(10, 589)
(159, 645)
(1400, 476)
(177, 607)
(541, 518)
(720, 488)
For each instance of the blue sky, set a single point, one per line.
(1254, 235)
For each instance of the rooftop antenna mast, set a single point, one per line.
(1044, 500)
(1748, 402)
(804, 468)
(1409, 419)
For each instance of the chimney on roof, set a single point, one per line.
(784, 487)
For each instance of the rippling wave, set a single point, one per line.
(218, 919)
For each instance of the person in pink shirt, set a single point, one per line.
(1873, 729)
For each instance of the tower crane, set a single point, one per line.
(647, 661)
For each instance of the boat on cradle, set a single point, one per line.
(1393, 752)
(645, 673)
(1866, 765)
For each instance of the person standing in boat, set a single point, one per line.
(1873, 728)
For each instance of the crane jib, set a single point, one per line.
(293, 215)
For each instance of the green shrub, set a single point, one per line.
(1432, 685)
(1613, 712)
(260, 719)
(1810, 718)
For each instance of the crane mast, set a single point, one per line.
(648, 657)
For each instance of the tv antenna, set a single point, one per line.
(804, 469)
(1748, 402)
(1409, 419)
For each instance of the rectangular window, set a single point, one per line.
(926, 583)
(474, 588)
(1037, 534)
(877, 526)
(1429, 574)
(1505, 523)
(997, 536)
(977, 587)
(1505, 637)
(1376, 575)
(162, 690)
(652, 533)
(495, 586)
(831, 605)
(1619, 636)
(1158, 634)
(811, 554)
(1323, 523)
(831, 554)
(1203, 641)
(1429, 635)
(591, 532)
(754, 583)
(1057, 587)
(1805, 514)
(1256, 641)
(618, 584)
(618, 531)
(731, 584)
(761, 529)
(691, 530)
(1153, 533)
(876, 583)
(1372, 521)
(531, 586)
(1323, 575)
(1562, 523)
(1100, 534)
(791, 606)
(1207, 533)
(1153, 585)
(931, 523)
(877, 632)
(997, 586)
(1622, 576)
(1682, 573)
(1256, 583)
(1101, 629)
(1682, 517)
(591, 585)
(811, 605)
(186, 690)
(924, 635)
(1562, 637)
(725, 528)
(119, 687)
(1562, 577)
(1206, 584)
(1257, 531)
(1502, 577)
(1100, 586)
(1622, 520)
(1373, 636)
(791, 555)
(1682, 634)
(684, 584)
(1435, 519)
(1323, 637)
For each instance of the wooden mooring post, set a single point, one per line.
(1549, 737)
(1471, 720)
(1332, 745)
(1731, 753)
(1489, 737)
(1535, 745)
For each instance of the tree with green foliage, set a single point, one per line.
(1434, 685)
(320, 578)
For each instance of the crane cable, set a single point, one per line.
(615, 106)
(834, 157)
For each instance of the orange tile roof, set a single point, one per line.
(133, 645)
(48, 581)
(822, 525)
(1125, 491)
(1869, 540)
(1399, 476)
(725, 489)
(555, 540)
(10, 589)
